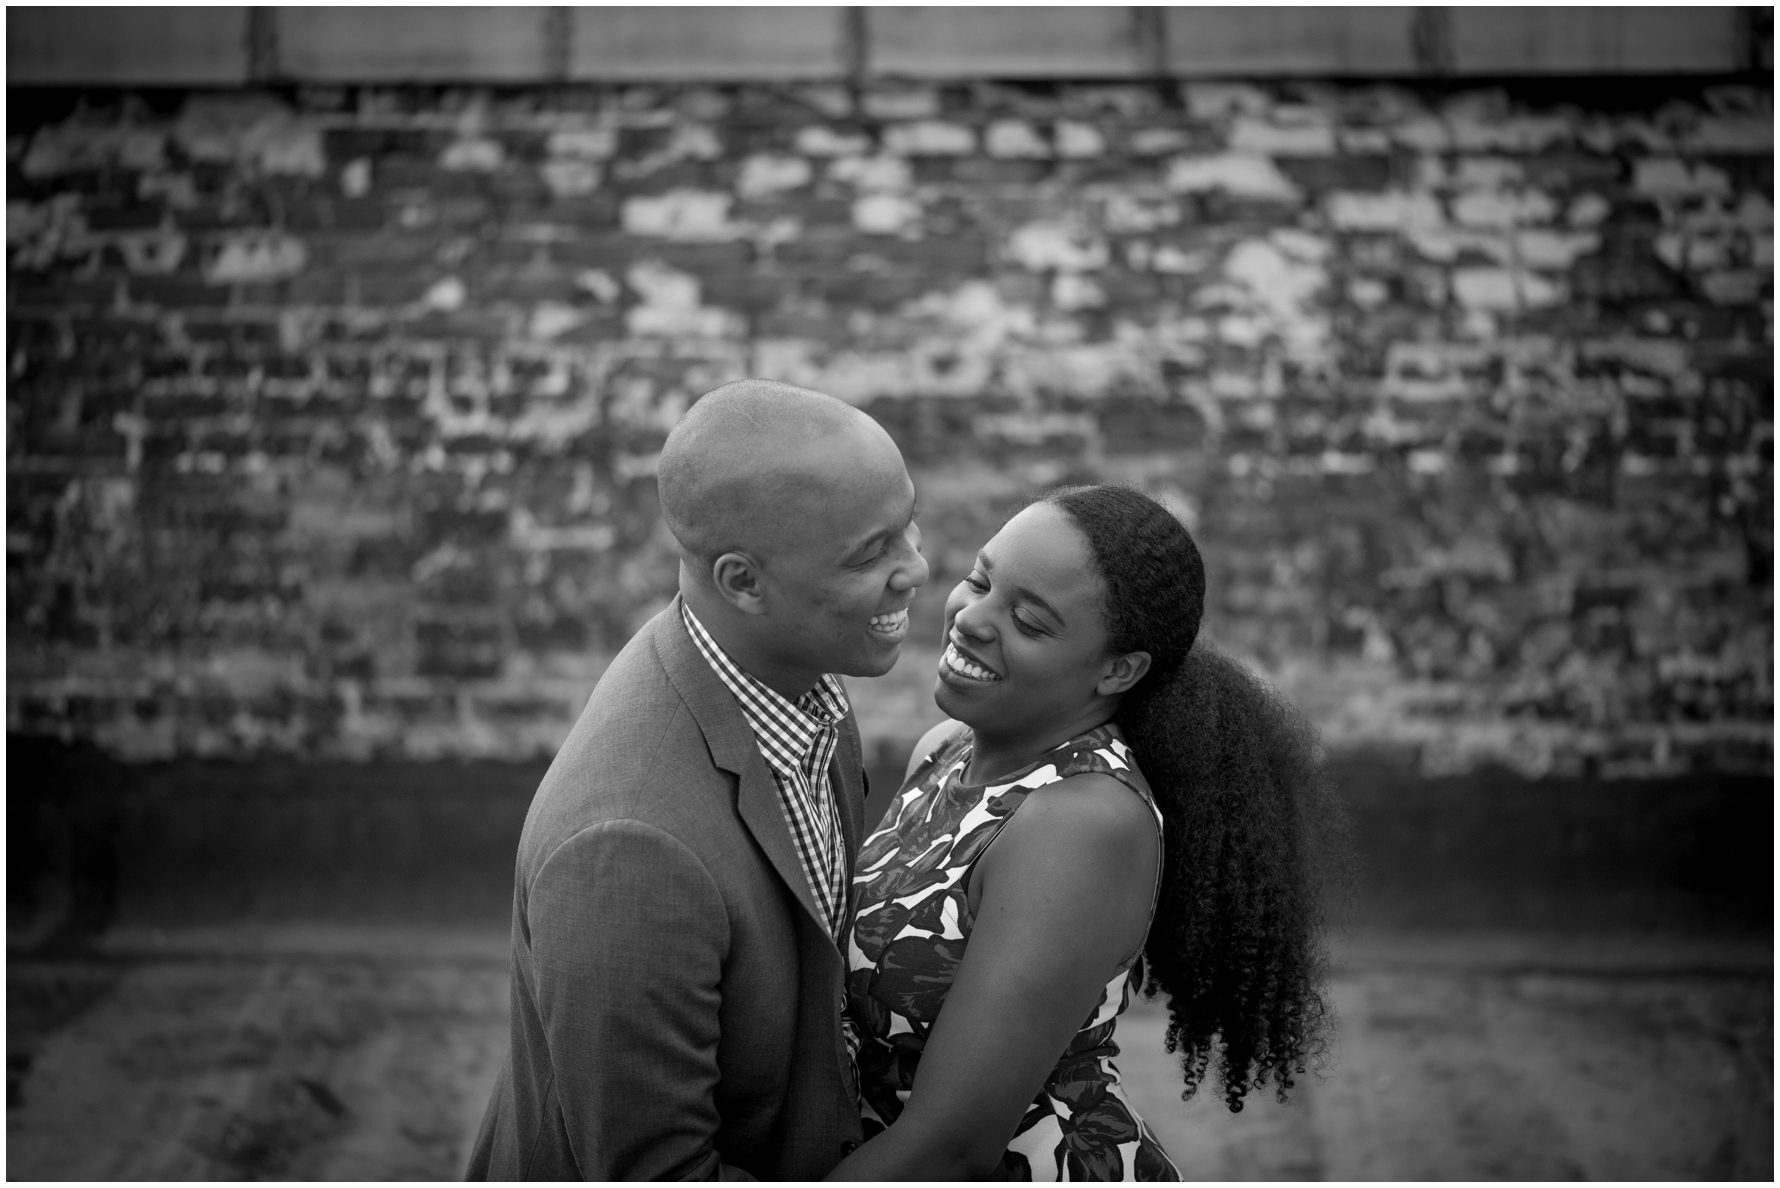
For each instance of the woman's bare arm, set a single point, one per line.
(1065, 897)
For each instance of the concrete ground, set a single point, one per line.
(364, 1053)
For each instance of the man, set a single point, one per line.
(681, 892)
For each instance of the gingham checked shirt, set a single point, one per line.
(797, 740)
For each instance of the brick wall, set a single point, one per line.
(332, 414)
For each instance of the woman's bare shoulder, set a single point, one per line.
(1091, 809)
(1078, 858)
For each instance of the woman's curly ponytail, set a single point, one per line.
(1252, 830)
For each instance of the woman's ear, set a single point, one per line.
(737, 578)
(1121, 672)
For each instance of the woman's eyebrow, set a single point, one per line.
(987, 566)
(1042, 605)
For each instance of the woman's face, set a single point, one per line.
(1026, 645)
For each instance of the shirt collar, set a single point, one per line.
(778, 722)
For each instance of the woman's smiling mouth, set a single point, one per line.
(955, 663)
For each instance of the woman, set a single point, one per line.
(1102, 782)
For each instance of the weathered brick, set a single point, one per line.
(175, 292)
(1485, 328)
(1347, 171)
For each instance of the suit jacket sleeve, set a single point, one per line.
(628, 937)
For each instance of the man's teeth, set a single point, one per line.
(959, 663)
(894, 621)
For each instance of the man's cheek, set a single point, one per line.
(826, 598)
(847, 599)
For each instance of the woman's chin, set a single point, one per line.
(947, 699)
(957, 703)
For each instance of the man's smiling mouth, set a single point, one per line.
(892, 625)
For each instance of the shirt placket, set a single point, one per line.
(821, 801)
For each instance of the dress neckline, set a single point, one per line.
(1107, 729)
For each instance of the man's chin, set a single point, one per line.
(874, 664)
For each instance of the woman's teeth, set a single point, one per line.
(894, 624)
(961, 664)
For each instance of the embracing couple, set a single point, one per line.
(716, 975)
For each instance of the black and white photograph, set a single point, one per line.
(1014, 592)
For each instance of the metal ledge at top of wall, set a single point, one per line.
(225, 47)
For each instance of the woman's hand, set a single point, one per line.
(1065, 897)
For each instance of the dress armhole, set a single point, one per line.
(1149, 801)
(1136, 959)
(1148, 796)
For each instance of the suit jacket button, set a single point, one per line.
(848, 1147)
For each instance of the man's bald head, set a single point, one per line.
(746, 462)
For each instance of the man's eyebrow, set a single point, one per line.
(882, 533)
(989, 567)
(868, 542)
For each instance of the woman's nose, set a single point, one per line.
(973, 621)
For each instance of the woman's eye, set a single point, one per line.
(977, 582)
(1027, 626)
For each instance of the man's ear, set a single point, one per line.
(1121, 672)
(737, 578)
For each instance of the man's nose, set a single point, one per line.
(912, 573)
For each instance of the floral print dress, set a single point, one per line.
(913, 921)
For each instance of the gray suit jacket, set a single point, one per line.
(676, 999)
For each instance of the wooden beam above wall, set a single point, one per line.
(433, 44)
(1290, 41)
(127, 46)
(226, 46)
(1569, 40)
(1036, 42)
(744, 44)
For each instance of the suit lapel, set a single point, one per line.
(847, 777)
(734, 749)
